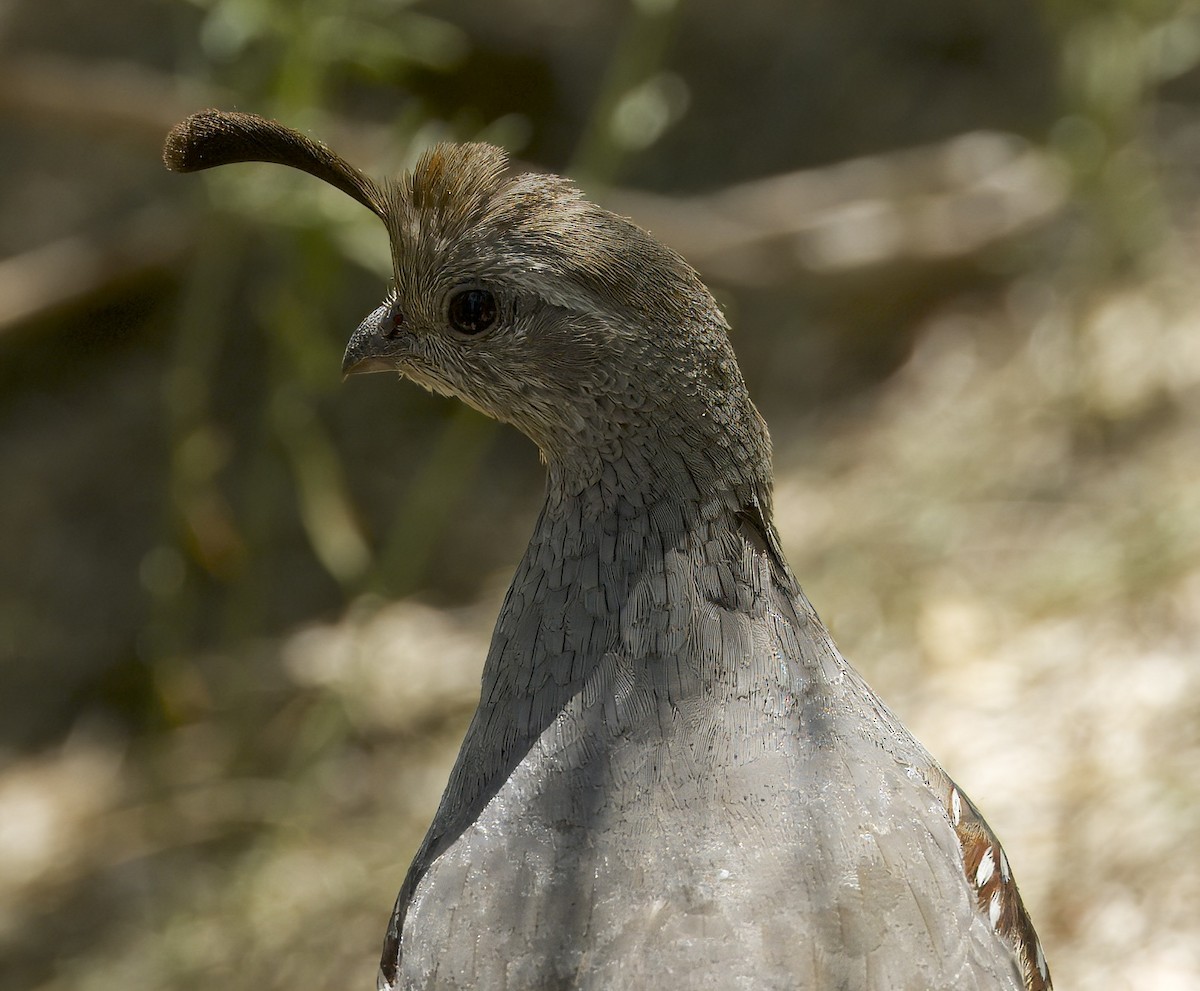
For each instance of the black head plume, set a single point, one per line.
(216, 137)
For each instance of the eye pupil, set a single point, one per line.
(472, 311)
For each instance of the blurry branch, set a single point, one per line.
(33, 282)
(122, 101)
(326, 508)
(1112, 60)
(107, 98)
(430, 502)
(115, 101)
(942, 201)
(197, 515)
(632, 109)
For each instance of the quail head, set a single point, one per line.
(673, 778)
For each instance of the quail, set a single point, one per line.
(673, 778)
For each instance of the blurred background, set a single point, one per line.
(243, 606)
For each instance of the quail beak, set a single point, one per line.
(373, 347)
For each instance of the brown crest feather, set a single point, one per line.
(217, 137)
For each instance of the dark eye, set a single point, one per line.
(472, 311)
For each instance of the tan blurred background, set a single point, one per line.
(243, 606)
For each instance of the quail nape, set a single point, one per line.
(673, 778)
